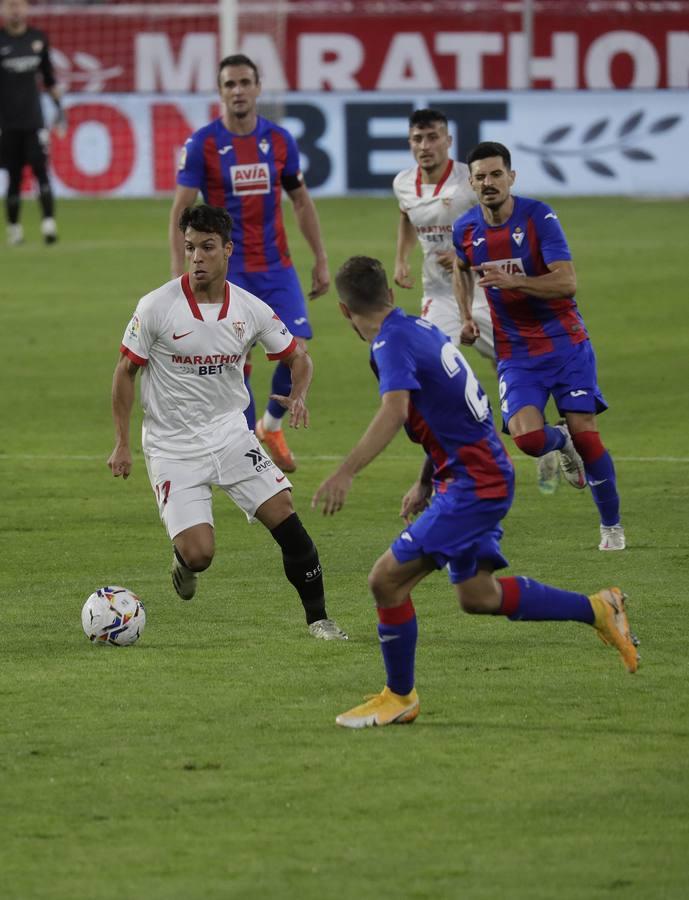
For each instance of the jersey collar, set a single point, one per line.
(193, 305)
(443, 178)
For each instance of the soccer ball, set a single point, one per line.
(113, 615)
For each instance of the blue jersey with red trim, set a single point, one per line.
(523, 325)
(245, 174)
(449, 413)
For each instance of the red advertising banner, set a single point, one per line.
(366, 45)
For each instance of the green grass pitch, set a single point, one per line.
(204, 763)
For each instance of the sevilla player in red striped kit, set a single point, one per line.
(519, 250)
(242, 162)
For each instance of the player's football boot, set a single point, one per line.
(385, 708)
(15, 235)
(612, 537)
(276, 445)
(184, 581)
(570, 462)
(612, 626)
(327, 630)
(548, 467)
(49, 230)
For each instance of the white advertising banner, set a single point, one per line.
(562, 143)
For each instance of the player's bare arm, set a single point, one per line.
(184, 197)
(560, 281)
(301, 369)
(406, 239)
(307, 220)
(419, 494)
(463, 288)
(383, 427)
(123, 392)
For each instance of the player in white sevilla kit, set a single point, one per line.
(190, 337)
(432, 195)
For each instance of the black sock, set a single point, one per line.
(302, 566)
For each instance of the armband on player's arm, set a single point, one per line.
(292, 182)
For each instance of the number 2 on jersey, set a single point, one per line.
(476, 398)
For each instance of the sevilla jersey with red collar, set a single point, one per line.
(245, 174)
(193, 354)
(449, 412)
(524, 325)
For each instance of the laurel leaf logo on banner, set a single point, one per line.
(630, 134)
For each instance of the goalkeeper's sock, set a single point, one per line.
(525, 600)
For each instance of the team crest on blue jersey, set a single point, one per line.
(263, 145)
(518, 236)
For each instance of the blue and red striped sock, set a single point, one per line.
(397, 632)
(530, 601)
(600, 475)
(281, 384)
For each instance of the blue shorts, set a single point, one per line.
(280, 289)
(571, 380)
(456, 534)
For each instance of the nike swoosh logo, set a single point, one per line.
(225, 149)
(378, 345)
(596, 483)
(281, 479)
(176, 337)
(578, 393)
(385, 638)
(478, 242)
(550, 216)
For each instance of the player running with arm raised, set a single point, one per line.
(519, 249)
(467, 485)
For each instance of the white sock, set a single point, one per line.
(270, 423)
(48, 227)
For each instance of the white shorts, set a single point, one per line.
(444, 313)
(182, 487)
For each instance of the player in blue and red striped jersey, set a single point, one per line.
(519, 250)
(242, 162)
(464, 491)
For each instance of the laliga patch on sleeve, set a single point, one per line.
(134, 328)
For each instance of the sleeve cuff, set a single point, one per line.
(283, 353)
(139, 360)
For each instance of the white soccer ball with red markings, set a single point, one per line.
(113, 615)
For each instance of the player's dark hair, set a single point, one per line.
(362, 284)
(210, 219)
(424, 118)
(486, 149)
(238, 59)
